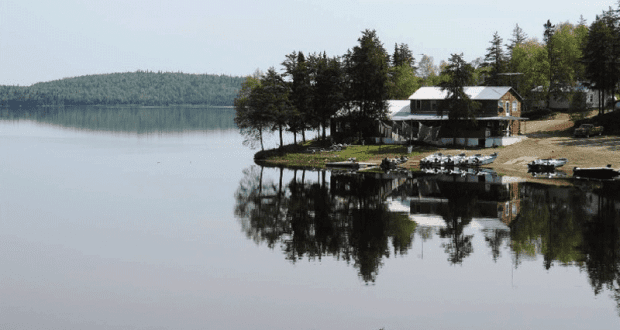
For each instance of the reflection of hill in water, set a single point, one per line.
(129, 119)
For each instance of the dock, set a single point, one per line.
(351, 165)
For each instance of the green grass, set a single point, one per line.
(297, 156)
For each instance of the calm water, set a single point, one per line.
(159, 219)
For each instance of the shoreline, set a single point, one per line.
(547, 138)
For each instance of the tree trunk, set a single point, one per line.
(280, 131)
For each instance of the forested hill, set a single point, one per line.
(140, 88)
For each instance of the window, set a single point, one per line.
(514, 106)
(418, 104)
(507, 108)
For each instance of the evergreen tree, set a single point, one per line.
(518, 37)
(367, 74)
(495, 59)
(403, 56)
(552, 57)
(458, 104)
(601, 54)
(402, 79)
(328, 92)
(301, 94)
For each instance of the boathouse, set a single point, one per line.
(418, 119)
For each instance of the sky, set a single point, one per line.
(49, 40)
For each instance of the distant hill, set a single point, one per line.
(135, 88)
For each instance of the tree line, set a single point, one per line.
(129, 88)
(312, 89)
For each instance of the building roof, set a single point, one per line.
(401, 110)
(476, 93)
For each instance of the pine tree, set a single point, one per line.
(301, 94)
(518, 37)
(367, 73)
(328, 91)
(601, 54)
(458, 104)
(496, 60)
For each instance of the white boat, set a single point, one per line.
(546, 165)
(478, 159)
(431, 160)
(460, 159)
(439, 159)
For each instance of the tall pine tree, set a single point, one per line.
(367, 73)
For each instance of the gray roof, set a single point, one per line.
(401, 110)
(477, 93)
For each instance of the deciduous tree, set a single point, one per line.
(251, 121)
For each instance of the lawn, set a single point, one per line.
(299, 156)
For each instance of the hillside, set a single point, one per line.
(139, 88)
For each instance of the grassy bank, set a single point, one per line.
(301, 155)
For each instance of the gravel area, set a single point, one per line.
(549, 138)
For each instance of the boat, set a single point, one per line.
(548, 174)
(392, 163)
(439, 159)
(459, 159)
(433, 159)
(546, 165)
(478, 159)
(596, 173)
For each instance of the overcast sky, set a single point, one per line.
(48, 40)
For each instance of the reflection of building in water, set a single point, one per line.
(348, 187)
(490, 200)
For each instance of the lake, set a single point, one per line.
(158, 218)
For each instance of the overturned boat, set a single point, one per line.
(596, 173)
(546, 165)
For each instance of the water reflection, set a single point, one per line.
(310, 217)
(363, 218)
(141, 120)
(479, 199)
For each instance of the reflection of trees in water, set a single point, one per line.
(579, 226)
(550, 224)
(601, 236)
(457, 215)
(495, 239)
(344, 218)
(129, 119)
